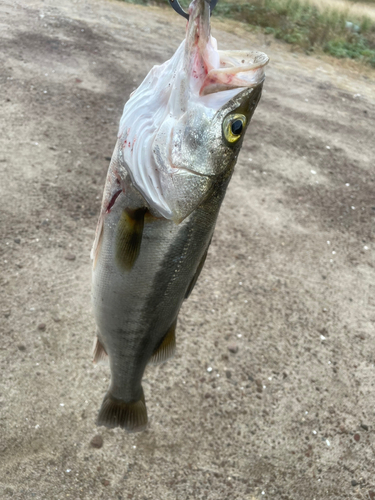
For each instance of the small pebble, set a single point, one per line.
(228, 373)
(357, 437)
(371, 494)
(17, 240)
(97, 441)
(105, 482)
(42, 326)
(354, 482)
(364, 426)
(233, 348)
(70, 256)
(21, 347)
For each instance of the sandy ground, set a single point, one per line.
(289, 281)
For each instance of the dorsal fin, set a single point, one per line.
(197, 273)
(167, 347)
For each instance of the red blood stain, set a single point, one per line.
(112, 202)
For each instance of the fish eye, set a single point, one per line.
(237, 127)
(233, 127)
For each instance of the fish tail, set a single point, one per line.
(115, 412)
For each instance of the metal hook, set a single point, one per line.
(177, 7)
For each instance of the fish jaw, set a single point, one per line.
(211, 70)
(238, 69)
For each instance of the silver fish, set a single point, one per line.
(178, 142)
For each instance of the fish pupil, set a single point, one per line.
(237, 127)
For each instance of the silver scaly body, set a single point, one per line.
(135, 309)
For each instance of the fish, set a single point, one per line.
(178, 142)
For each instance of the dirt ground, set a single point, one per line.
(289, 283)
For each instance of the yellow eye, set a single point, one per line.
(233, 126)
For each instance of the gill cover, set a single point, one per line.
(171, 135)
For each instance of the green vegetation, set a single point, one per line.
(305, 25)
(301, 23)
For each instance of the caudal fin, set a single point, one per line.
(117, 413)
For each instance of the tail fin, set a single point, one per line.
(117, 413)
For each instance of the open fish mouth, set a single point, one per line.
(238, 69)
(212, 70)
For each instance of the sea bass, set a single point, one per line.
(179, 138)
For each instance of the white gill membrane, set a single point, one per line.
(196, 82)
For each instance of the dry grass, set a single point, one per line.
(350, 8)
(310, 24)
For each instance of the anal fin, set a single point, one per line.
(129, 237)
(130, 416)
(167, 347)
(99, 353)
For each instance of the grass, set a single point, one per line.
(309, 24)
(351, 8)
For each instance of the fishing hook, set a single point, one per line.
(177, 7)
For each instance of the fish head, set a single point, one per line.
(183, 128)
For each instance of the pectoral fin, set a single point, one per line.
(129, 237)
(167, 348)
